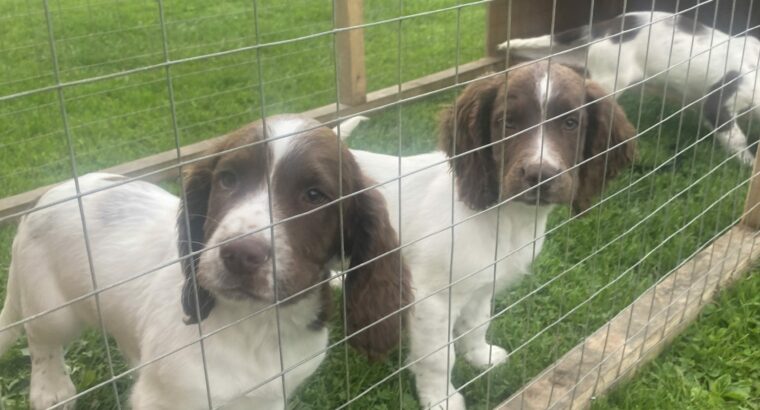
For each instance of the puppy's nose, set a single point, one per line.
(245, 255)
(537, 173)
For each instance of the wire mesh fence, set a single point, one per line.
(91, 85)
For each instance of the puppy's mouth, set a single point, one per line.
(230, 290)
(536, 198)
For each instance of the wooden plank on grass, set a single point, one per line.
(639, 332)
(13, 205)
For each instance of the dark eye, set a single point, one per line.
(228, 179)
(570, 123)
(315, 196)
(508, 122)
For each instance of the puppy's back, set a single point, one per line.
(50, 253)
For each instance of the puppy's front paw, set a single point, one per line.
(455, 402)
(486, 356)
(747, 158)
(43, 397)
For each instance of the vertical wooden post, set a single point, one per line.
(529, 18)
(751, 207)
(497, 18)
(352, 77)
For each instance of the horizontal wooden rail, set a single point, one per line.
(18, 203)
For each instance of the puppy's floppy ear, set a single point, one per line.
(609, 135)
(467, 126)
(194, 207)
(374, 289)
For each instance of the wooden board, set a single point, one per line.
(752, 203)
(11, 207)
(638, 333)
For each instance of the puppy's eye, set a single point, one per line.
(228, 179)
(570, 123)
(508, 123)
(315, 196)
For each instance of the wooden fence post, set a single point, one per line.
(529, 18)
(751, 207)
(352, 77)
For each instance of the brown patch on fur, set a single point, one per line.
(373, 291)
(464, 127)
(608, 127)
(379, 288)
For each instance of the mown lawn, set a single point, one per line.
(681, 182)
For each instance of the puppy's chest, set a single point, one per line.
(248, 362)
(520, 243)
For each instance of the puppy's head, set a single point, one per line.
(271, 209)
(523, 135)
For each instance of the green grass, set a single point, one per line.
(117, 120)
(714, 364)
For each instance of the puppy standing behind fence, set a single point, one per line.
(535, 165)
(689, 58)
(134, 228)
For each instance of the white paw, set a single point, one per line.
(486, 356)
(455, 402)
(747, 158)
(336, 280)
(48, 395)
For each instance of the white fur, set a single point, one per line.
(426, 207)
(144, 314)
(686, 70)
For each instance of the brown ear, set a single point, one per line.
(379, 288)
(192, 216)
(609, 141)
(465, 127)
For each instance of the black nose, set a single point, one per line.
(534, 174)
(245, 255)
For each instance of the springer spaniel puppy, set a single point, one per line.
(241, 262)
(689, 58)
(509, 172)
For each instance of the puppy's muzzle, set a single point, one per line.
(542, 184)
(245, 257)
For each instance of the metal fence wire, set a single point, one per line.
(141, 87)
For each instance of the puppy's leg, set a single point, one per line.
(719, 112)
(50, 379)
(432, 360)
(734, 141)
(47, 335)
(472, 326)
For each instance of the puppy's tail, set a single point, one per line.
(523, 44)
(347, 127)
(9, 315)
(563, 48)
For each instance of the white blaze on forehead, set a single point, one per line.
(283, 131)
(544, 152)
(250, 213)
(543, 89)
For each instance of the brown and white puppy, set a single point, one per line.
(517, 146)
(262, 218)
